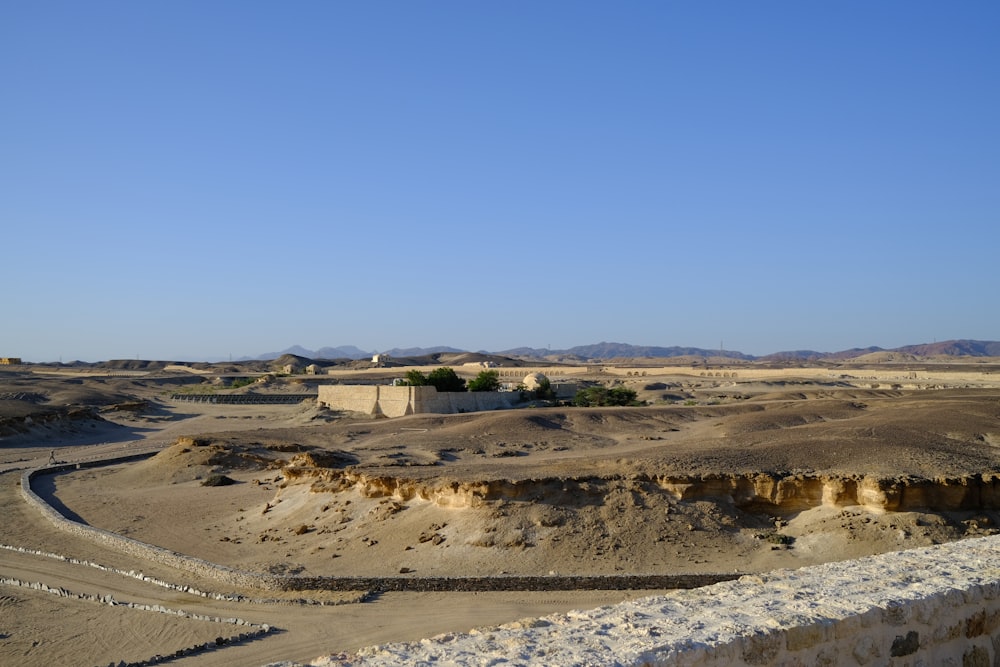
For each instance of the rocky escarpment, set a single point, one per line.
(371, 521)
(794, 493)
(69, 418)
(774, 493)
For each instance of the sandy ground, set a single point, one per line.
(545, 490)
(94, 633)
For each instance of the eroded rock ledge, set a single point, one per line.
(765, 492)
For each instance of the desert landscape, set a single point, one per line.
(564, 333)
(363, 530)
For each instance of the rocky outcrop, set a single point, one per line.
(765, 492)
(255, 580)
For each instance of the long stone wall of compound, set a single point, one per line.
(494, 400)
(429, 399)
(244, 399)
(396, 401)
(387, 401)
(932, 606)
(350, 398)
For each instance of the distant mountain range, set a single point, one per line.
(605, 351)
(352, 352)
(342, 352)
(619, 350)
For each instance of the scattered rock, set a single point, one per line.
(218, 480)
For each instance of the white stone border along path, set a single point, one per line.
(938, 605)
(183, 588)
(253, 630)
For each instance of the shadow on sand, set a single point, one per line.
(45, 486)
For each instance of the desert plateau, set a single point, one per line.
(493, 334)
(353, 529)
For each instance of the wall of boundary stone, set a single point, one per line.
(932, 606)
(359, 398)
(255, 630)
(429, 399)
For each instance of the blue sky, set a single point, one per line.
(189, 180)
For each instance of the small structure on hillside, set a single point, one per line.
(480, 364)
(533, 381)
(313, 369)
(561, 390)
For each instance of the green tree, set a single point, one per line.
(544, 390)
(485, 381)
(603, 396)
(415, 378)
(445, 379)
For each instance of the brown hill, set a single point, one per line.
(954, 348)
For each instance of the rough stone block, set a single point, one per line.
(992, 619)
(828, 656)
(905, 644)
(973, 595)
(991, 590)
(847, 628)
(926, 612)
(975, 625)
(805, 636)
(871, 618)
(865, 650)
(977, 656)
(947, 632)
(762, 649)
(896, 614)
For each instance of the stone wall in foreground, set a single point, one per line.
(932, 606)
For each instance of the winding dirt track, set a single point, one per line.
(31, 634)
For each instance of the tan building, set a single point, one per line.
(382, 401)
(10, 361)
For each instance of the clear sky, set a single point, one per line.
(191, 179)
